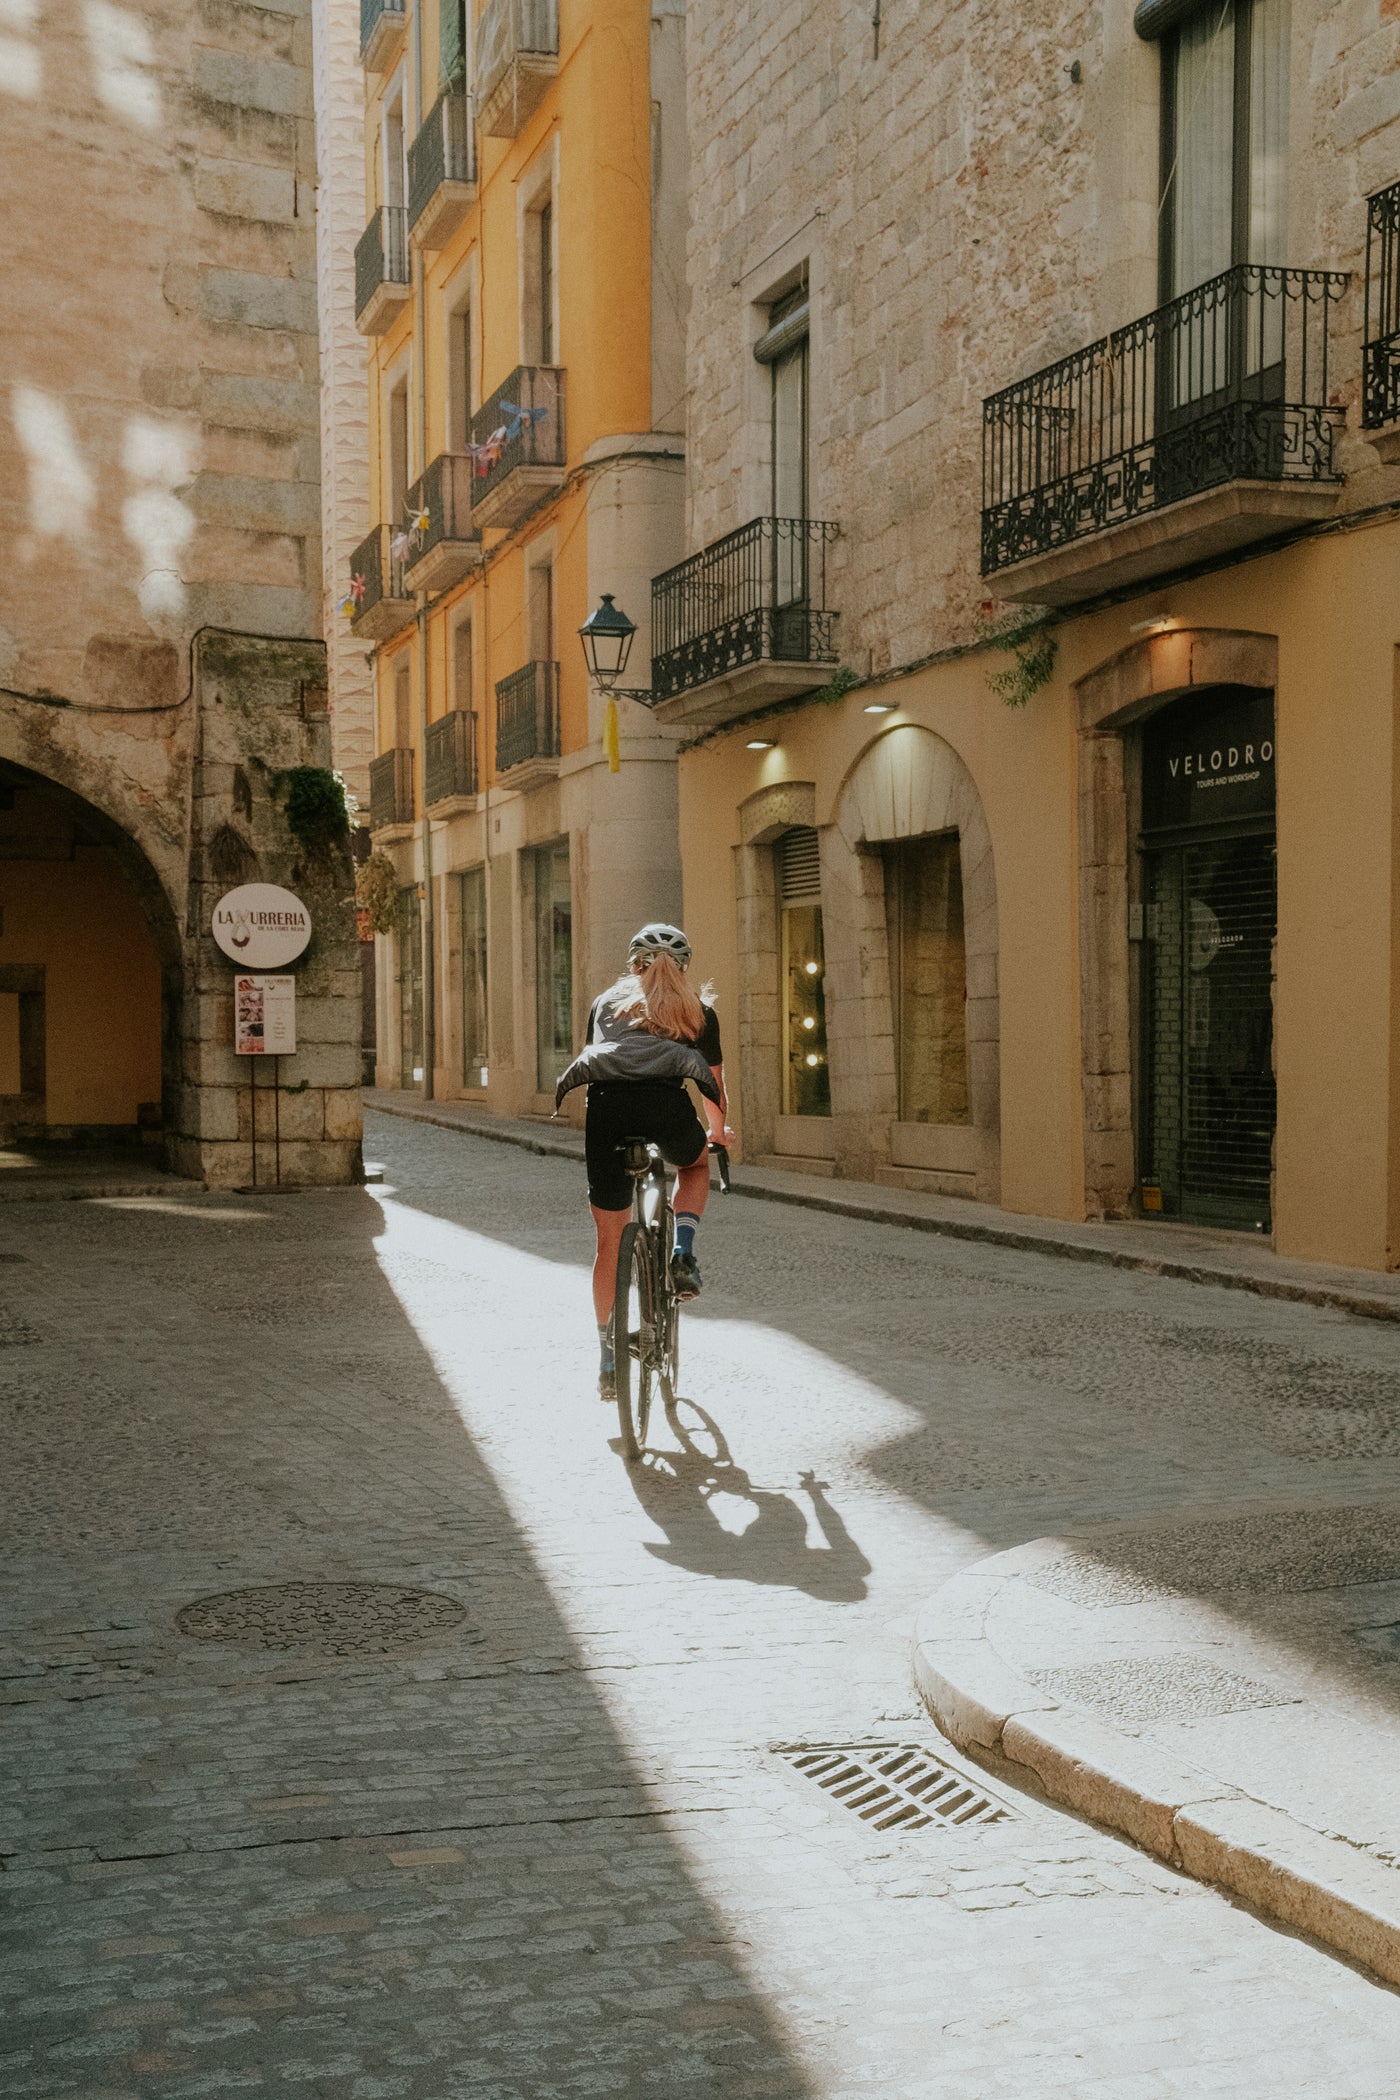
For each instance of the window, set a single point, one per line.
(806, 1078)
(554, 963)
(395, 142)
(542, 612)
(1225, 85)
(537, 331)
(459, 376)
(396, 450)
(783, 347)
(410, 986)
(471, 915)
(462, 684)
(545, 225)
(403, 701)
(928, 977)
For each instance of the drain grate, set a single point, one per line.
(896, 1786)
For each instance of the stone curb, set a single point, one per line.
(1320, 1885)
(1044, 1240)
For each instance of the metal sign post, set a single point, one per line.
(261, 927)
(265, 1025)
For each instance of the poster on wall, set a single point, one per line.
(264, 1016)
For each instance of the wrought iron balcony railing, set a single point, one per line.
(379, 21)
(759, 594)
(449, 757)
(517, 52)
(1227, 383)
(521, 427)
(441, 159)
(377, 586)
(442, 541)
(1380, 371)
(381, 258)
(527, 715)
(391, 788)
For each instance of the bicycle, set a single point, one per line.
(646, 1311)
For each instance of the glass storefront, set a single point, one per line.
(806, 1075)
(471, 938)
(928, 977)
(1208, 919)
(554, 963)
(410, 986)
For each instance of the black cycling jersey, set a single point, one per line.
(707, 1042)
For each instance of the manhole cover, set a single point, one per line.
(331, 1618)
(896, 1786)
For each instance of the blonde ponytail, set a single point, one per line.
(658, 1000)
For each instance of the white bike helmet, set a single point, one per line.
(658, 939)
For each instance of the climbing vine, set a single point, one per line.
(1027, 633)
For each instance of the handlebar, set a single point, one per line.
(721, 1154)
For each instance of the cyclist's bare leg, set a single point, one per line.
(609, 1224)
(693, 1185)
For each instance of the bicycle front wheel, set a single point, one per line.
(634, 1338)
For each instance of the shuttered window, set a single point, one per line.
(800, 866)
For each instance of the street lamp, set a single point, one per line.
(607, 643)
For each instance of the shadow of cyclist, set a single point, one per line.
(677, 1489)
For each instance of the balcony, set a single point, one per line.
(442, 172)
(380, 24)
(391, 790)
(518, 446)
(517, 55)
(1380, 368)
(382, 279)
(743, 623)
(443, 543)
(527, 725)
(1201, 428)
(449, 763)
(379, 603)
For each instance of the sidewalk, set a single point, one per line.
(1229, 1260)
(1225, 1692)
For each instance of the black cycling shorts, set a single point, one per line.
(657, 1109)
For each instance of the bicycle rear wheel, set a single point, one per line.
(634, 1338)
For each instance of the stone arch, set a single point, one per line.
(111, 879)
(1111, 700)
(909, 783)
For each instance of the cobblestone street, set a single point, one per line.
(532, 1838)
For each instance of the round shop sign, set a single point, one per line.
(261, 927)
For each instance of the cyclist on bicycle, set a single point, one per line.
(647, 1034)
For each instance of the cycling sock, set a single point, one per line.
(605, 1347)
(687, 1225)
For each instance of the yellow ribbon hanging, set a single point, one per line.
(611, 745)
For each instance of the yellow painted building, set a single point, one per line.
(520, 284)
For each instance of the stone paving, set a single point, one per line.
(337, 1841)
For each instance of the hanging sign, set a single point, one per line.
(264, 1016)
(261, 927)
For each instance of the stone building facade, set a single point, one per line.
(1030, 354)
(161, 663)
(522, 298)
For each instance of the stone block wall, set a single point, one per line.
(966, 212)
(161, 650)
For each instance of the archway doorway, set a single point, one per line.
(89, 974)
